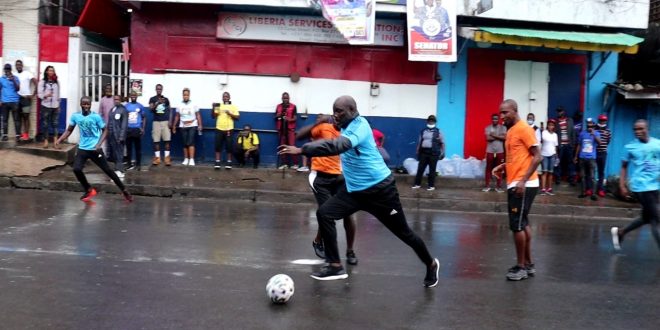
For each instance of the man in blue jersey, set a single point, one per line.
(93, 132)
(369, 187)
(640, 167)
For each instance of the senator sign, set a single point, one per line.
(299, 28)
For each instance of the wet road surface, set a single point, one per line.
(203, 264)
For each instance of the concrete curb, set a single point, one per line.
(293, 197)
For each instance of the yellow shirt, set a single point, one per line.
(249, 141)
(223, 121)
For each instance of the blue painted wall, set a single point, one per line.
(595, 89)
(452, 91)
(564, 88)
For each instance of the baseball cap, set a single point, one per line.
(7, 66)
(602, 117)
(590, 121)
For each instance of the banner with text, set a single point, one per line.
(298, 28)
(432, 30)
(355, 19)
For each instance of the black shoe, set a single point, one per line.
(531, 270)
(329, 273)
(432, 271)
(218, 165)
(594, 197)
(131, 167)
(228, 165)
(351, 258)
(319, 249)
(5, 138)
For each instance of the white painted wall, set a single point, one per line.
(610, 13)
(262, 94)
(526, 82)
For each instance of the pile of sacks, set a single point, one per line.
(454, 167)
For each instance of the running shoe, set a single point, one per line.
(228, 165)
(616, 238)
(416, 186)
(294, 167)
(430, 188)
(120, 174)
(283, 167)
(319, 249)
(303, 169)
(601, 193)
(218, 165)
(127, 196)
(531, 270)
(516, 273)
(191, 162)
(549, 192)
(594, 197)
(498, 190)
(543, 191)
(487, 189)
(186, 161)
(88, 195)
(329, 273)
(432, 272)
(351, 258)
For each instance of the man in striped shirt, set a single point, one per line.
(601, 151)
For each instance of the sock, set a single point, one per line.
(167, 153)
(157, 154)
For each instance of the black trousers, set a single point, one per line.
(426, 158)
(97, 157)
(649, 201)
(241, 159)
(13, 109)
(381, 201)
(601, 158)
(134, 141)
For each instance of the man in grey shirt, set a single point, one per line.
(495, 136)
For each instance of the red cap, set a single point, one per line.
(602, 117)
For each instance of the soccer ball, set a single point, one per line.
(280, 288)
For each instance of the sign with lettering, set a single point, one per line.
(298, 28)
(432, 30)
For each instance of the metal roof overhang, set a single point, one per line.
(586, 41)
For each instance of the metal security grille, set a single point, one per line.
(100, 69)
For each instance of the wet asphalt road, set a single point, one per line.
(203, 264)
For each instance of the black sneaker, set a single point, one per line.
(329, 273)
(594, 197)
(228, 165)
(319, 249)
(351, 258)
(431, 278)
(516, 273)
(5, 138)
(218, 165)
(131, 167)
(531, 270)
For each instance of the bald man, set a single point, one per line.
(369, 187)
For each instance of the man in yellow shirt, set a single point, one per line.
(247, 146)
(225, 114)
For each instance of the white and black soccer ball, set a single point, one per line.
(280, 288)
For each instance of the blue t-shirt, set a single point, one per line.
(643, 165)
(91, 127)
(362, 165)
(588, 145)
(9, 93)
(135, 114)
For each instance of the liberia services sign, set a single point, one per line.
(299, 28)
(432, 30)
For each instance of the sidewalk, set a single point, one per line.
(289, 186)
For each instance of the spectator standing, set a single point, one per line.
(379, 137)
(107, 103)
(588, 141)
(9, 86)
(117, 128)
(430, 149)
(566, 134)
(286, 115)
(247, 146)
(495, 137)
(48, 91)
(161, 127)
(136, 128)
(189, 121)
(28, 88)
(549, 148)
(601, 151)
(640, 169)
(225, 115)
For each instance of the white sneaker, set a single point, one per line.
(283, 167)
(498, 190)
(416, 187)
(185, 162)
(430, 188)
(294, 167)
(119, 174)
(615, 238)
(191, 162)
(303, 169)
(486, 189)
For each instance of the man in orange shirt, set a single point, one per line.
(522, 159)
(325, 179)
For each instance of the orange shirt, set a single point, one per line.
(329, 164)
(519, 139)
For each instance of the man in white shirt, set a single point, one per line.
(26, 92)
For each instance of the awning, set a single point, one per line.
(601, 42)
(105, 17)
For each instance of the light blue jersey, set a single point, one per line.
(643, 165)
(362, 165)
(90, 126)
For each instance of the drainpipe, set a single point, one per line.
(60, 13)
